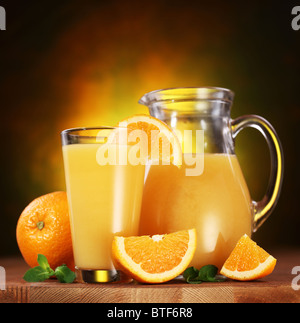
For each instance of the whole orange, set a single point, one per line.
(44, 228)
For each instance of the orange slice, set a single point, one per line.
(163, 144)
(248, 261)
(154, 259)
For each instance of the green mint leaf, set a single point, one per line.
(191, 276)
(43, 262)
(64, 274)
(196, 280)
(205, 274)
(44, 271)
(36, 274)
(191, 272)
(209, 274)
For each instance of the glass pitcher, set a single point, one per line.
(216, 201)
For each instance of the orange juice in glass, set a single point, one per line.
(104, 200)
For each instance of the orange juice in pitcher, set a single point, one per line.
(216, 200)
(216, 203)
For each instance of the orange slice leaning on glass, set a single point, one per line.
(159, 142)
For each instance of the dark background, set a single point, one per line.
(85, 63)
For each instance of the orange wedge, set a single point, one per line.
(248, 261)
(163, 144)
(154, 259)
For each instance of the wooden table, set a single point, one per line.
(277, 288)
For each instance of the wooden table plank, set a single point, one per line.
(275, 288)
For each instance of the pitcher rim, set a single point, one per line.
(213, 93)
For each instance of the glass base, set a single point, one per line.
(101, 276)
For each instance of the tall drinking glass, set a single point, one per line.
(104, 197)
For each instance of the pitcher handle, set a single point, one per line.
(264, 208)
